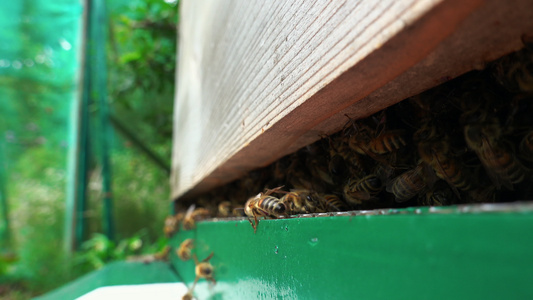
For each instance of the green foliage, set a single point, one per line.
(99, 250)
(142, 61)
(96, 252)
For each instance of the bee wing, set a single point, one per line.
(190, 211)
(209, 257)
(391, 181)
(275, 190)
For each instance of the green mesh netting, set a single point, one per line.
(53, 136)
(39, 77)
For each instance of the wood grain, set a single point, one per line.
(257, 81)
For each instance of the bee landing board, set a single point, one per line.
(257, 81)
(472, 252)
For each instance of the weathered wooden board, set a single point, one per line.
(259, 80)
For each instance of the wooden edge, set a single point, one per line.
(444, 43)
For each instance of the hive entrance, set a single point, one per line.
(467, 141)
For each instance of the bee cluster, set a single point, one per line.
(467, 141)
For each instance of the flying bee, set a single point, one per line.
(172, 224)
(356, 191)
(204, 269)
(264, 205)
(185, 248)
(188, 296)
(411, 183)
(224, 209)
(194, 215)
(333, 202)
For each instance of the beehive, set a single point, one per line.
(257, 83)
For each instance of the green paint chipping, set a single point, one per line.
(413, 254)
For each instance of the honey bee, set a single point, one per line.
(380, 146)
(337, 166)
(238, 212)
(319, 168)
(301, 201)
(294, 204)
(188, 296)
(502, 165)
(149, 258)
(356, 191)
(514, 71)
(203, 269)
(483, 135)
(224, 209)
(387, 141)
(296, 176)
(482, 194)
(359, 141)
(333, 202)
(264, 205)
(194, 215)
(280, 169)
(343, 160)
(435, 151)
(172, 224)
(439, 195)
(163, 254)
(368, 142)
(185, 248)
(411, 183)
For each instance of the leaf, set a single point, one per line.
(129, 57)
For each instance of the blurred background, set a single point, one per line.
(86, 93)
